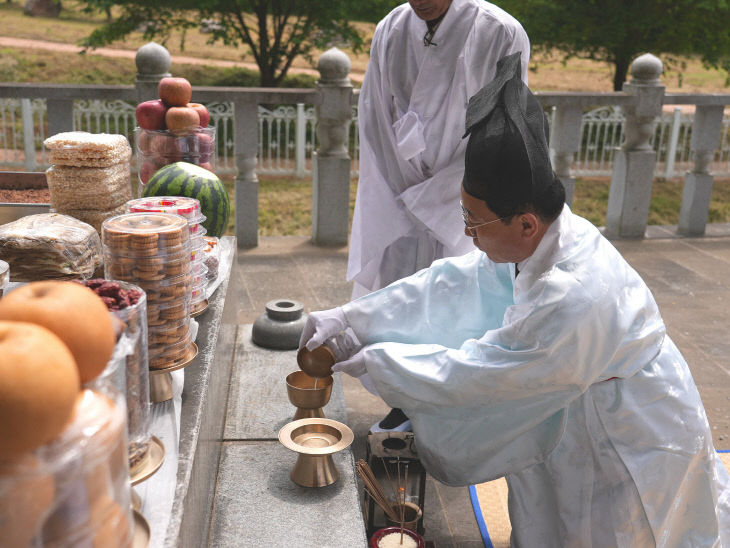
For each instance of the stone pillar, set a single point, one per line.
(565, 142)
(706, 132)
(60, 114)
(331, 161)
(246, 114)
(153, 64)
(633, 168)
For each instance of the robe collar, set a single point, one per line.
(555, 246)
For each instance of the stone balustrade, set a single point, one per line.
(641, 99)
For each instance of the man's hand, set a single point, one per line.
(355, 366)
(322, 325)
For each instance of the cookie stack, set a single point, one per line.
(89, 178)
(152, 251)
(189, 208)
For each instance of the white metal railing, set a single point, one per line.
(287, 137)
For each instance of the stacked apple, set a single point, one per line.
(172, 129)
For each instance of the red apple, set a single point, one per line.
(175, 92)
(168, 149)
(202, 112)
(151, 114)
(182, 120)
(146, 142)
(147, 170)
(206, 165)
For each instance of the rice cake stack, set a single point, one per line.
(89, 178)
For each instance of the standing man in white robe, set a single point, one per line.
(426, 60)
(541, 357)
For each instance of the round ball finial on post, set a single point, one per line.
(646, 68)
(152, 59)
(334, 67)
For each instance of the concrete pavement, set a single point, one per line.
(690, 279)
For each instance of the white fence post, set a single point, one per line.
(28, 134)
(300, 141)
(672, 146)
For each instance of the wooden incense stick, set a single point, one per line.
(374, 489)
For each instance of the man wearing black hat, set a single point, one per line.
(542, 357)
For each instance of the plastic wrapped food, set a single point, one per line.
(74, 491)
(89, 187)
(79, 148)
(50, 246)
(211, 257)
(158, 148)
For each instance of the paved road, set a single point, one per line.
(130, 54)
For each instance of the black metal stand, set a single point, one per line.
(389, 454)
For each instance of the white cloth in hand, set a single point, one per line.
(322, 325)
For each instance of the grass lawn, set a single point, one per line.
(285, 203)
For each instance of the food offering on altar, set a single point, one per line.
(189, 208)
(64, 476)
(152, 251)
(173, 129)
(50, 246)
(90, 176)
(128, 369)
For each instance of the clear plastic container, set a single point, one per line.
(158, 148)
(128, 368)
(211, 256)
(74, 491)
(144, 234)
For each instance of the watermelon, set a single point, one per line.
(184, 179)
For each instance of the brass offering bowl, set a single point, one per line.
(317, 362)
(316, 440)
(308, 399)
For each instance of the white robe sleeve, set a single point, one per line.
(500, 394)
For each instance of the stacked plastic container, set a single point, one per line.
(152, 251)
(188, 208)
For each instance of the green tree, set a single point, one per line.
(275, 31)
(616, 31)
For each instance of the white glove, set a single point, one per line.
(322, 325)
(344, 344)
(355, 366)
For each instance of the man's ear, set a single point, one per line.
(530, 225)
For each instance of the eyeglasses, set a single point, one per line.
(471, 229)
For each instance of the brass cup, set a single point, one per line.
(303, 395)
(316, 440)
(317, 362)
(411, 514)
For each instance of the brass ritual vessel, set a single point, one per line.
(317, 362)
(308, 394)
(316, 440)
(161, 380)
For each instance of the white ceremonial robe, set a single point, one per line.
(411, 113)
(564, 381)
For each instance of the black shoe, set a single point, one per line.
(395, 421)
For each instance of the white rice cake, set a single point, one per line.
(79, 148)
(89, 187)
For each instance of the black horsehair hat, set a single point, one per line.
(507, 158)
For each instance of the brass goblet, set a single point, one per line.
(316, 440)
(308, 394)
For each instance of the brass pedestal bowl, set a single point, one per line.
(316, 440)
(308, 394)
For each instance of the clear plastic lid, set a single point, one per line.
(140, 231)
(178, 205)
